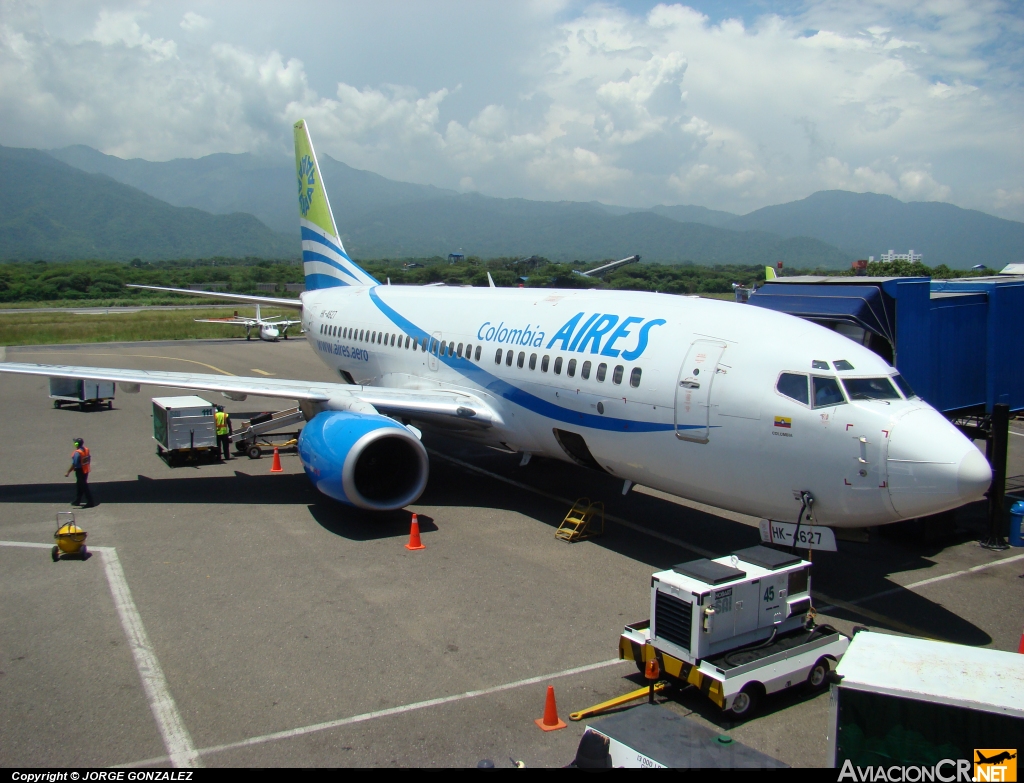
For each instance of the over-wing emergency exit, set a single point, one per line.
(738, 407)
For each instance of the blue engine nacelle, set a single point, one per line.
(365, 460)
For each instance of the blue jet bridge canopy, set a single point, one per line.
(866, 306)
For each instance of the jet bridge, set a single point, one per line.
(959, 343)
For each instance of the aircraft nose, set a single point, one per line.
(974, 476)
(931, 466)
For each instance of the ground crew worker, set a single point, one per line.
(80, 463)
(224, 429)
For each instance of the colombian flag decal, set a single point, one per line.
(783, 421)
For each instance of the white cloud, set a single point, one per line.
(920, 102)
(193, 22)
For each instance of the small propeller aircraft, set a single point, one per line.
(269, 329)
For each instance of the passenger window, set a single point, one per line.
(544, 364)
(634, 377)
(407, 341)
(360, 335)
(570, 370)
(585, 370)
(617, 374)
(558, 365)
(826, 392)
(459, 351)
(451, 349)
(497, 357)
(793, 386)
(904, 387)
(508, 359)
(444, 348)
(522, 357)
(602, 370)
(869, 389)
(437, 345)
(321, 328)
(533, 361)
(477, 354)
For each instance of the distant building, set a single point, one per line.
(910, 256)
(454, 258)
(268, 287)
(295, 287)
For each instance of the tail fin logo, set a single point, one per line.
(307, 181)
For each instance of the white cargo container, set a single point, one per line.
(74, 391)
(184, 424)
(917, 702)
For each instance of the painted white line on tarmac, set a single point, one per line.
(941, 578)
(181, 751)
(367, 716)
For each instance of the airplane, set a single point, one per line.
(269, 329)
(996, 759)
(737, 407)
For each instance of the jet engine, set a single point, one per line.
(362, 459)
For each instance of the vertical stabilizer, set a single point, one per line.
(258, 319)
(324, 260)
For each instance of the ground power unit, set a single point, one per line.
(738, 628)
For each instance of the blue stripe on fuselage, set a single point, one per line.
(503, 389)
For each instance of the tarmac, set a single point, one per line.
(227, 616)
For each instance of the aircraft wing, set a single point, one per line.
(294, 304)
(442, 407)
(234, 321)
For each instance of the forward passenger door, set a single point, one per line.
(693, 390)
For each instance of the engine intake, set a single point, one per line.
(365, 460)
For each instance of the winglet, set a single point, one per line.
(490, 281)
(769, 273)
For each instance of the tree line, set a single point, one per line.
(90, 280)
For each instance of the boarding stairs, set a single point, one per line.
(580, 523)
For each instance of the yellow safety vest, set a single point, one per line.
(220, 418)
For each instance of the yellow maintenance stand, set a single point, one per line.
(577, 523)
(70, 537)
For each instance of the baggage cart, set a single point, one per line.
(184, 428)
(74, 391)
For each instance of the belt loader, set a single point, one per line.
(737, 628)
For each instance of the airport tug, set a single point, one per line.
(737, 628)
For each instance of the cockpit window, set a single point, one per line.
(842, 364)
(904, 386)
(793, 386)
(826, 392)
(818, 364)
(869, 389)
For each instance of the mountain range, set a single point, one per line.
(242, 204)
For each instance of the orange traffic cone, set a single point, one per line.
(1020, 647)
(550, 721)
(276, 467)
(414, 534)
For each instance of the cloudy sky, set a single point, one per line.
(728, 105)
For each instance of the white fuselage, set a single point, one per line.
(681, 394)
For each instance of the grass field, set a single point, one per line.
(18, 328)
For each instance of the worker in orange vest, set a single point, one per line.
(80, 463)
